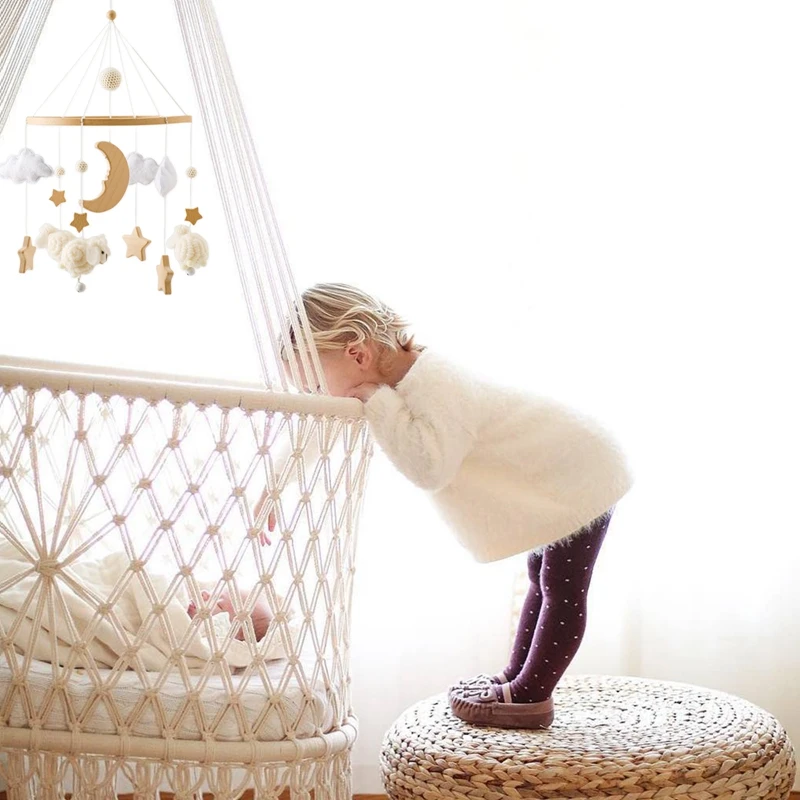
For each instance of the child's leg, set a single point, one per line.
(528, 618)
(566, 572)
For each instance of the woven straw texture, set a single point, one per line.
(621, 738)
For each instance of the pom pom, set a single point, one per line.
(110, 79)
(191, 172)
(60, 171)
(82, 166)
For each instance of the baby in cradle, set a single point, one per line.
(82, 588)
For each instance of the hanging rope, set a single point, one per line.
(20, 29)
(272, 299)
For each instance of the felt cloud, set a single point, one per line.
(142, 169)
(166, 178)
(25, 167)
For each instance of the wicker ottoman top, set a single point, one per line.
(628, 738)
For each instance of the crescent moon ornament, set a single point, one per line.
(116, 183)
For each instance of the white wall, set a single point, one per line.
(597, 201)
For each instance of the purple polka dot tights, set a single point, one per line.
(553, 617)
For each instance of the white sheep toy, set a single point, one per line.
(191, 249)
(77, 256)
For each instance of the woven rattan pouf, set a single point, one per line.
(622, 738)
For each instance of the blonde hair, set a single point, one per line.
(340, 315)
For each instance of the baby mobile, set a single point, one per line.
(114, 66)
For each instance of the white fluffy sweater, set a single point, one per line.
(509, 471)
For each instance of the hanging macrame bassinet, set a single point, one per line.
(150, 639)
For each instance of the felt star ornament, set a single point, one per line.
(79, 222)
(58, 197)
(25, 254)
(136, 244)
(165, 274)
(193, 215)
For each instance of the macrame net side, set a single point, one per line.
(119, 515)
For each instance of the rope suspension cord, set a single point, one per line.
(19, 35)
(215, 127)
(301, 326)
(269, 290)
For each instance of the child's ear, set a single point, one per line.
(205, 595)
(360, 353)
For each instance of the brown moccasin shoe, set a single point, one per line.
(480, 706)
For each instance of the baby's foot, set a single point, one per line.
(494, 705)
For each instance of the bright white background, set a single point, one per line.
(596, 201)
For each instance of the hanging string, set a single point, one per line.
(96, 82)
(130, 47)
(223, 168)
(22, 26)
(99, 50)
(70, 71)
(136, 185)
(60, 210)
(295, 311)
(82, 173)
(127, 85)
(271, 298)
(166, 151)
(191, 161)
(110, 59)
(26, 184)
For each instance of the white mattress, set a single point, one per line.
(291, 712)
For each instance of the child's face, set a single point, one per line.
(344, 369)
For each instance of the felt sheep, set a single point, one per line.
(191, 249)
(77, 256)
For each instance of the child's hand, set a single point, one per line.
(364, 391)
(262, 537)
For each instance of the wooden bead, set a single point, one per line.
(112, 15)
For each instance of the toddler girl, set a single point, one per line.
(511, 472)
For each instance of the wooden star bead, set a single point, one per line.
(25, 254)
(58, 197)
(79, 222)
(193, 215)
(136, 244)
(165, 274)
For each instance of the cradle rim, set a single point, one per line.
(35, 374)
(160, 749)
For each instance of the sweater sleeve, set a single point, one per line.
(426, 444)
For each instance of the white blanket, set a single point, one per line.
(114, 633)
